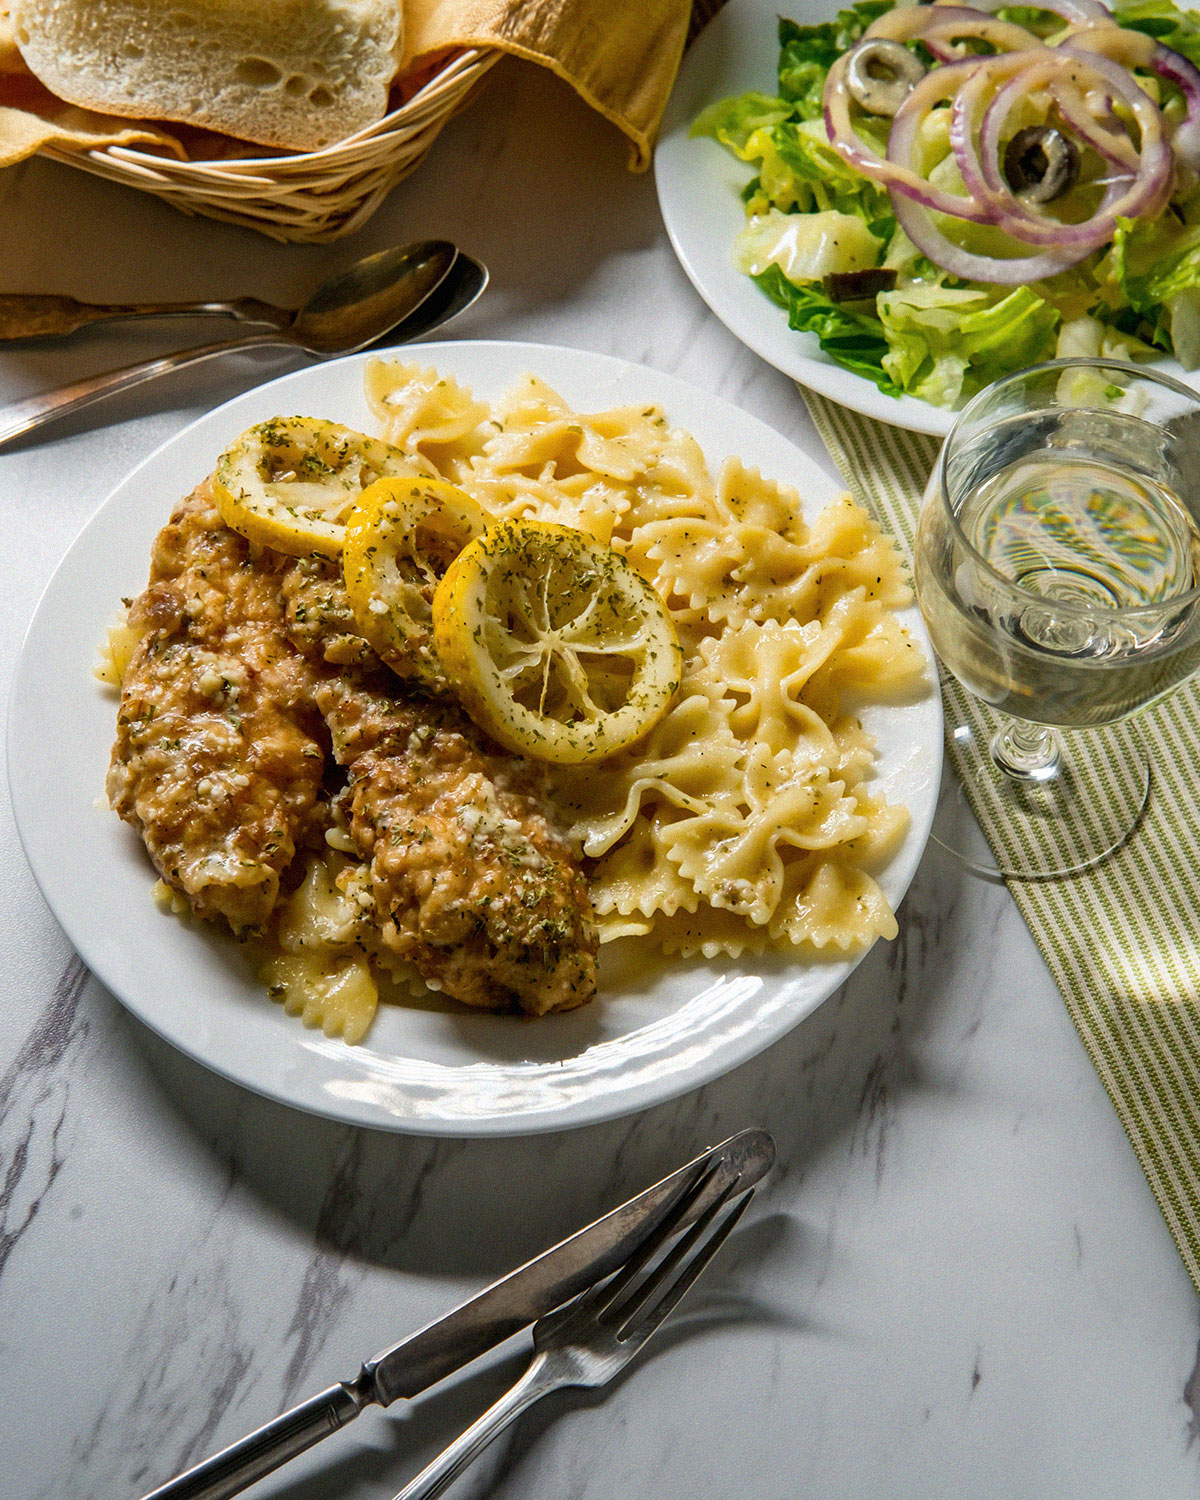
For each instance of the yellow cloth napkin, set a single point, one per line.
(31, 117)
(621, 56)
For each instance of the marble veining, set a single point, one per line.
(325, 1286)
(34, 1101)
(1191, 1399)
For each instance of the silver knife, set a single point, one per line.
(504, 1308)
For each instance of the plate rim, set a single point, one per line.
(520, 353)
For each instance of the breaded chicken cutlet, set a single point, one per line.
(248, 676)
(220, 748)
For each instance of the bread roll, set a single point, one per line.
(293, 73)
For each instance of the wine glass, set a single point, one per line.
(1057, 566)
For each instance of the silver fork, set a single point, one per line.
(587, 1342)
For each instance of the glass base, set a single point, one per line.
(1048, 820)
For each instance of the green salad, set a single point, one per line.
(1026, 188)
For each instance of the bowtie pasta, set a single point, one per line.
(746, 819)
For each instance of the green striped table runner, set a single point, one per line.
(1123, 940)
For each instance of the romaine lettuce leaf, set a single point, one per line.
(909, 263)
(1183, 313)
(806, 247)
(1177, 29)
(806, 58)
(799, 171)
(733, 121)
(1043, 23)
(1080, 290)
(808, 52)
(1091, 338)
(947, 343)
(1156, 265)
(1153, 259)
(857, 343)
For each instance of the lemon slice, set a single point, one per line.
(290, 483)
(556, 646)
(401, 537)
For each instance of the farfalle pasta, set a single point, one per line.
(744, 820)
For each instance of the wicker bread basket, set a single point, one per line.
(311, 196)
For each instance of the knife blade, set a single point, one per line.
(488, 1319)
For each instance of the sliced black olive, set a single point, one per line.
(881, 75)
(857, 286)
(1041, 163)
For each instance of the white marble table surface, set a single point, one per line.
(958, 1284)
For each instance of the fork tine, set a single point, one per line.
(605, 1296)
(647, 1322)
(639, 1296)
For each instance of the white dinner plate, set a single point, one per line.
(656, 1029)
(699, 188)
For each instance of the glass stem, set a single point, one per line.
(1026, 752)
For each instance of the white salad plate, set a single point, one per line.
(699, 192)
(655, 1030)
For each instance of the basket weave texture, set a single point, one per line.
(311, 196)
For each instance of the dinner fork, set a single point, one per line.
(587, 1342)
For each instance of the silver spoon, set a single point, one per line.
(407, 291)
(27, 317)
(464, 283)
(38, 315)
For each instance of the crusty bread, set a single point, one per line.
(294, 73)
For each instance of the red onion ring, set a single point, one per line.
(912, 210)
(913, 218)
(1075, 12)
(1176, 68)
(1118, 150)
(1155, 153)
(889, 171)
(1133, 49)
(1144, 195)
(984, 181)
(937, 25)
(1140, 186)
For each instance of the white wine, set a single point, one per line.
(1082, 613)
(1083, 532)
(1058, 569)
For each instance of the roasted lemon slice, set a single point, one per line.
(556, 646)
(290, 483)
(401, 537)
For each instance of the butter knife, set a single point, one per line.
(504, 1308)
